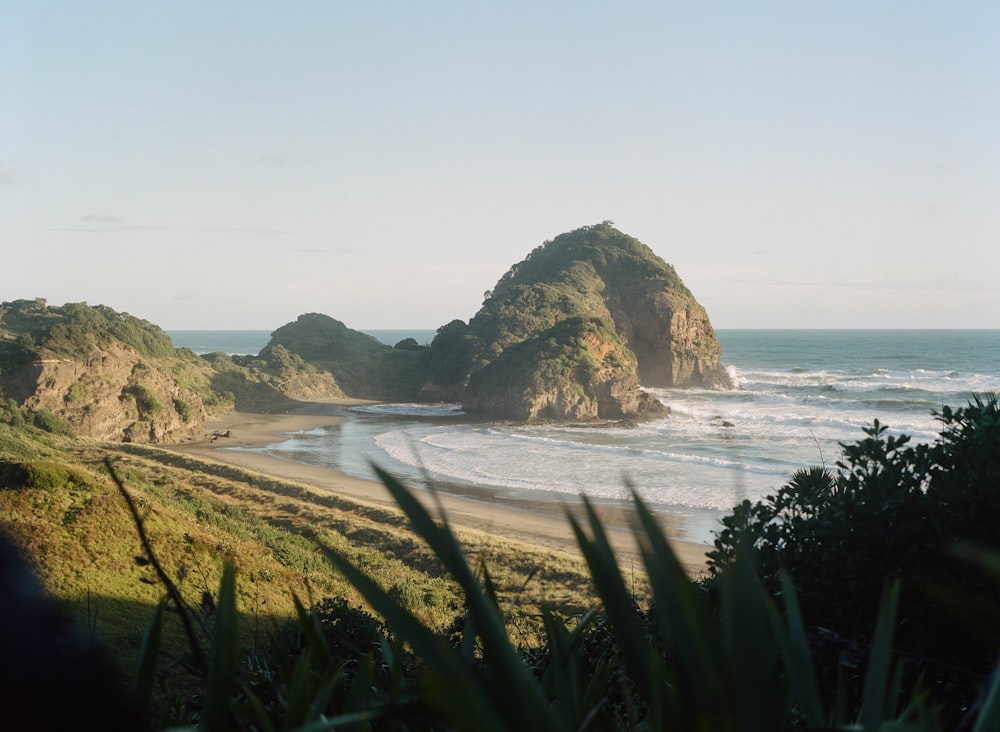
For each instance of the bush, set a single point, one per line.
(889, 510)
(50, 423)
(348, 630)
(40, 474)
(11, 414)
(183, 409)
(145, 401)
(76, 393)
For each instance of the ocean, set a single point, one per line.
(800, 393)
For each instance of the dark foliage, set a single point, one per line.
(890, 510)
(51, 678)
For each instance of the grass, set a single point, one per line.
(200, 515)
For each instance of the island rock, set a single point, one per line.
(519, 368)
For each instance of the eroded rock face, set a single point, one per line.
(578, 370)
(115, 394)
(672, 338)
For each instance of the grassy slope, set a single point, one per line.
(197, 513)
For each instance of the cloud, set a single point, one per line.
(100, 219)
(275, 161)
(107, 224)
(255, 231)
(6, 175)
(924, 285)
(313, 250)
(103, 229)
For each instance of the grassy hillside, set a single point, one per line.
(58, 503)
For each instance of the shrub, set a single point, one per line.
(76, 393)
(145, 401)
(11, 414)
(348, 629)
(889, 510)
(183, 409)
(40, 474)
(50, 423)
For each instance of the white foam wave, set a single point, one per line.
(410, 410)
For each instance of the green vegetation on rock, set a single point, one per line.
(70, 330)
(109, 375)
(576, 369)
(644, 326)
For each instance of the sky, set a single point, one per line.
(227, 165)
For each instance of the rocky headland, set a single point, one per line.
(573, 332)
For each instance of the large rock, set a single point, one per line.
(671, 336)
(115, 393)
(356, 360)
(577, 370)
(596, 272)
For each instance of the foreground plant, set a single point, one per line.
(692, 660)
(891, 509)
(743, 665)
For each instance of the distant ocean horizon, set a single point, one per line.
(799, 395)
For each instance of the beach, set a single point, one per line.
(542, 525)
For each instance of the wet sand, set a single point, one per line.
(541, 524)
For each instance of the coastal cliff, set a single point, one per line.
(104, 374)
(108, 375)
(113, 393)
(573, 332)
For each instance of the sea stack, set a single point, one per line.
(631, 322)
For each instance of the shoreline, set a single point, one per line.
(531, 522)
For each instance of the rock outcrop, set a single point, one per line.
(601, 274)
(354, 359)
(578, 370)
(671, 336)
(573, 332)
(114, 393)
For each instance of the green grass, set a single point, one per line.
(200, 515)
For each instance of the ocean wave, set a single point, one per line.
(417, 410)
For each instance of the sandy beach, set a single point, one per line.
(542, 525)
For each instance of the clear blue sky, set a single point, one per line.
(801, 163)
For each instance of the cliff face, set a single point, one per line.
(114, 393)
(671, 336)
(577, 370)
